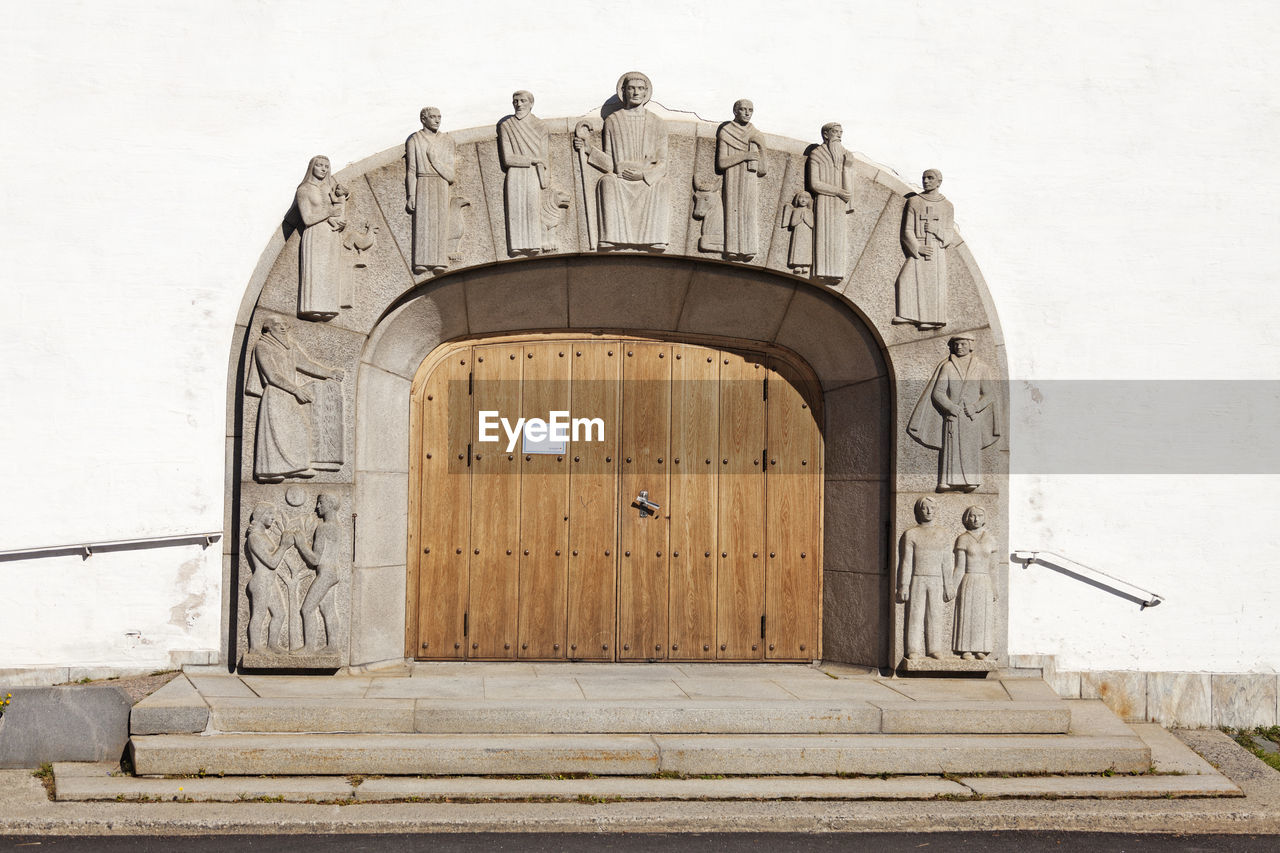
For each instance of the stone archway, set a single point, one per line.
(648, 297)
(872, 373)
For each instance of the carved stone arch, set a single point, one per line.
(872, 372)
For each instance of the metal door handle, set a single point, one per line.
(647, 507)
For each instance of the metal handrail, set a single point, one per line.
(88, 549)
(1144, 598)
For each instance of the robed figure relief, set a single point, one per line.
(523, 152)
(829, 173)
(958, 414)
(321, 203)
(429, 174)
(928, 231)
(740, 159)
(975, 553)
(798, 219)
(299, 428)
(633, 197)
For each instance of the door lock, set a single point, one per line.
(647, 507)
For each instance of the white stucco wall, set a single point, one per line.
(1110, 163)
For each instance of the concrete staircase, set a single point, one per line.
(624, 720)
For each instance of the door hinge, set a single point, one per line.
(766, 388)
(468, 454)
(471, 383)
(465, 626)
(762, 626)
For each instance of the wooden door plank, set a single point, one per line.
(544, 508)
(695, 435)
(740, 574)
(643, 565)
(793, 575)
(593, 501)
(495, 508)
(443, 420)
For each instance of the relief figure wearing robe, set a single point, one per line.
(928, 231)
(523, 146)
(429, 174)
(798, 219)
(633, 196)
(975, 554)
(740, 159)
(321, 203)
(299, 424)
(958, 415)
(829, 173)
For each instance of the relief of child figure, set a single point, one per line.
(799, 220)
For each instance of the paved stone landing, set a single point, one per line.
(625, 720)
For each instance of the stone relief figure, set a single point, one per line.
(740, 159)
(958, 415)
(523, 153)
(707, 210)
(928, 231)
(300, 424)
(321, 203)
(429, 174)
(265, 550)
(633, 196)
(329, 543)
(925, 582)
(975, 552)
(829, 172)
(798, 219)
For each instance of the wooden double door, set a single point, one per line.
(542, 551)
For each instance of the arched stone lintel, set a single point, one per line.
(696, 293)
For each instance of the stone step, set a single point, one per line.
(95, 782)
(681, 716)
(632, 754)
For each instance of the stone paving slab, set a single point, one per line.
(1030, 690)
(393, 754)
(624, 687)
(1093, 717)
(1105, 787)
(1170, 755)
(221, 685)
(909, 754)
(647, 715)
(866, 689)
(280, 686)
(474, 668)
(732, 688)
(945, 689)
(961, 717)
(306, 714)
(544, 687)
(175, 708)
(631, 788)
(440, 687)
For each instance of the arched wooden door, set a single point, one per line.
(681, 520)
